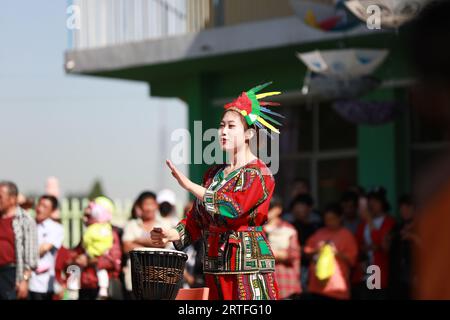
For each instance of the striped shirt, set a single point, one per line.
(26, 243)
(282, 237)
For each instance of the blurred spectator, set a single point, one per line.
(306, 222)
(89, 264)
(117, 284)
(98, 238)
(125, 275)
(63, 255)
(18, 243)
(50, 238)
(373, 240)
(299, 187)
(188, 274)
(403, 239)
(136, 232)
(345, 252)
(52, 189)
(135, 210)
(166, 202)
(283, 240)
(25, 203)
(349, 206)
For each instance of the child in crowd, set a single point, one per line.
(98, 238)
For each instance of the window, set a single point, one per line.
(297, 130)
(316, 144)
(334, 131)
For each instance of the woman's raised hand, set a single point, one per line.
(183, 181)
(197, 190)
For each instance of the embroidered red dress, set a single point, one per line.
(238, 262)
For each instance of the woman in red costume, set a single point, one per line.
(231, 206)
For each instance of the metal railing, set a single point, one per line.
(99, 23)
(71, 214)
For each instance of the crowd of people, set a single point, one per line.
(331, 254)
(319, 254)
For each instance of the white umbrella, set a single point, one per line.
(341, 74)
(345, 63)
(393, 13)
(326, 15)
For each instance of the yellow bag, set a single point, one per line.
(325, 265)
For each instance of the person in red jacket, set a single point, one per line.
(111, 261)
(373, 240)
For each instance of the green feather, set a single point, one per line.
(260, 87)
(255, 103)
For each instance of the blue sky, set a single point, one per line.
(74, 127)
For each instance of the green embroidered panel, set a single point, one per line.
(227, 211)
(263, 247)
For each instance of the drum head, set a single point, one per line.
(160, 251)
(143, 249)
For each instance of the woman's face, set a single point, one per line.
(148, 208)
(232, 131)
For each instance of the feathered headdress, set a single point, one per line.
(255, 111)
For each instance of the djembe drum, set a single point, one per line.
(156, 273)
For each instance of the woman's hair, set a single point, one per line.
(134, 213)
(244, 122)
(138, 202)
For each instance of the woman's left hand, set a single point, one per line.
(183, 181)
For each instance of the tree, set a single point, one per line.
(96, 190)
